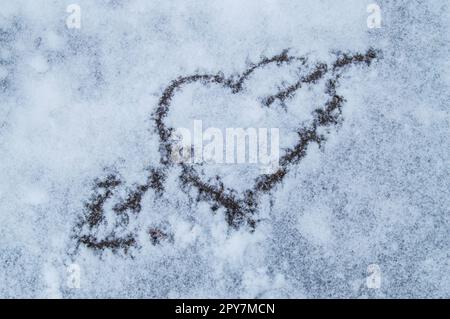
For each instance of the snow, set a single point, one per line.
(77, 104)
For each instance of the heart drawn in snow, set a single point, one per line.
(240, 206)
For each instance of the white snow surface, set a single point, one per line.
(74, 102)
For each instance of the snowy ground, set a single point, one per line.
(78, 105)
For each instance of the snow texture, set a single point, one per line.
(83, 178)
